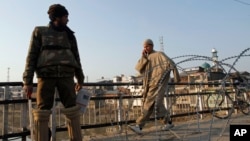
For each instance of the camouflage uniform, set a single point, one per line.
(153, 67)
(55, 59)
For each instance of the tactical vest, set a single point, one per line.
(55, 49)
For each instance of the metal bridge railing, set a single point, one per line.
(110, 111)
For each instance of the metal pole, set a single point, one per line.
(31, 118)
(119, 114)
(24, 117)
(5, 112)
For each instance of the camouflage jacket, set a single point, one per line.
(52, 54)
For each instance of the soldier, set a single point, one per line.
(53, 55)
(154, 66)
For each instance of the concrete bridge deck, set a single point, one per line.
(207, 129)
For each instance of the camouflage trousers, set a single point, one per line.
(46, 92)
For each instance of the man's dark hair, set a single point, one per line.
(57, 10)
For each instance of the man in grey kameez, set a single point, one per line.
(155, 66)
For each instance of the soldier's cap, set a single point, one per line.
(57, 10)
(148, 42)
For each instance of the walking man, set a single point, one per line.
(53, 55)
(155, 66)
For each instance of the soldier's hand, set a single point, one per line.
(28, 89)
(78, 87)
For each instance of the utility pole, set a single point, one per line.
(161, 44)
(8, 74)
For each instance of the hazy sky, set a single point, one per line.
(110, 32)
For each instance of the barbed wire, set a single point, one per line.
(242, 2)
